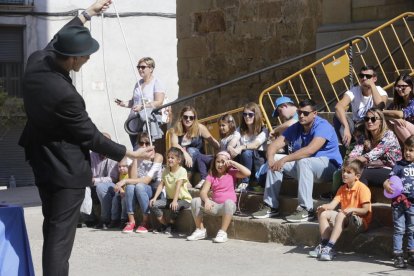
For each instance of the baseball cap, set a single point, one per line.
(279, 101)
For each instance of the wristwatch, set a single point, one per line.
(86, 15)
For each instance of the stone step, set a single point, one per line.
(376, 241)
(249, 203)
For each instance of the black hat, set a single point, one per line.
(75, 41)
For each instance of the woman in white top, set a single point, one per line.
(152, 89)
(251, 150)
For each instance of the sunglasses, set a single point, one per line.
(190, 118)
(367, 76)
(305, 113)
(372, 119)
(141, 144)
(142, 67)
(402, 86)
(248, 114)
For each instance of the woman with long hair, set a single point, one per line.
(401, 112)
(380, 150)
(189, 135)
(251, 150)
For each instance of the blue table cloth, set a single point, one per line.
(15, 256)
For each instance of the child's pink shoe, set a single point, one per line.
(142, 229)
(129, 228)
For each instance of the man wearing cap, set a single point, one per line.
(285, 109)
(361, 98)
(59, 134)
(314, 158)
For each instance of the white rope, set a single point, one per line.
(106, 79)
(133, 69)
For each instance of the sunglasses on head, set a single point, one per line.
(142, 67)
(367, 76)
(305, 113)
(372, 119)
(248, 114)
(147, 144)
(190, 118)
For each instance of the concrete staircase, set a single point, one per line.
(376, 241)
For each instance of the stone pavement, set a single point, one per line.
(113, 253)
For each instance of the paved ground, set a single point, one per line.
(112, 253)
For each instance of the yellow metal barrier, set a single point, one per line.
(391, 50)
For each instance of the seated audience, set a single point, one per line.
(400, 114)
(251, 150)
(188, 135)
(174, 179)
(286, 111)
(221, 180)
(315, 157)
(104, 175)
(361, 98)
(229, 140)
(380, 150)
(145, 176)
(354, 214)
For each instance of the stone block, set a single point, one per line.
(186, 7)
(364, 14)
(209, 21)
(270, 10)
(192, 47)
(251, 230)
(367, 3)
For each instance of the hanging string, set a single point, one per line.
(135, 74)
(106, 78)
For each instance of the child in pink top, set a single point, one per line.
(221, 180)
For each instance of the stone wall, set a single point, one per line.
(221, 40)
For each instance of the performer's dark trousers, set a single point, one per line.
(61, 210)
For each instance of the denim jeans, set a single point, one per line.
(251, 159)
(140, 192)
(203, 164)
(118, 203)
(403, 222)
(109, 203)
(306, 171)
(194, 153)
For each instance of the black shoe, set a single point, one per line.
(399, 261)
(102, 226)
(410, 259)
(123, 223)
(81, 225)
(114, 224)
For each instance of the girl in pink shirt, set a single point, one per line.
(221, 180)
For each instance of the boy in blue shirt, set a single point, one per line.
(403, 205)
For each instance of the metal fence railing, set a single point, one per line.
(390, 50)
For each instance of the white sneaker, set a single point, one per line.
(242, 187)
(221, 237)
(198, 234)
(200, 184)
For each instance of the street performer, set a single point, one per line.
(59, 134)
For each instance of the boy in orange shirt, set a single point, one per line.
(353, 215)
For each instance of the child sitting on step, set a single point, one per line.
(175, 180)
(354, 214)
(403, 205)
(229, 141)
(221, 180)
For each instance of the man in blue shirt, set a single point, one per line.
(315, 157)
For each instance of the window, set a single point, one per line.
(12, 2)
(11, 59)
